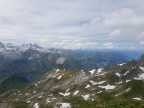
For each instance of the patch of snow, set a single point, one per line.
(96, 83)
(93, 99)
(128, 89)
(128, 81)
(40, 97)
(65, 94)
(117, 74)
(119, 82)
(107, 87)
(27, 94)
(126, 73)
(34, 91)
(36, 105)
(67, 90)
(100, 70)
(92, 82)
(142, 68)
(137, 78)
(57, 70)
(65, 105)
(121, 64)
(101, 74)
(137, 98)
(118, 94)
(101, 82)
(36, 85)
(76, 92)
(92, 71)
(93, 94)
(141, 76)
(60, 77)
(87, 86)
(53, 98)
(99, 92)
(48, 100)
(54, 76)
(86, 97)
(28, 101)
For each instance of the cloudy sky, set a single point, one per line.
(86, 24)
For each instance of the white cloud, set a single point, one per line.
(125, 17)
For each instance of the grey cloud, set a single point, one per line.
(74, 23)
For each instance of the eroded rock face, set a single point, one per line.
(61, 60)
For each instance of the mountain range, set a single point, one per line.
(31, 60)
(35, 77)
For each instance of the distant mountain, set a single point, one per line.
(133, 54)
(31, 60)
(33, 63)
